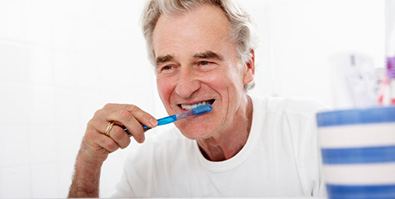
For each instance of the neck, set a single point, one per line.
(231, 139)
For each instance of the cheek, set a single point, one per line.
(218, 80)
(236, 77)
(225, 79)
(164, 89)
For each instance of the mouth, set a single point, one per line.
(187, 107)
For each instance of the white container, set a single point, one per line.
(358, 152)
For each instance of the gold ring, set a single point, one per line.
(108, 129)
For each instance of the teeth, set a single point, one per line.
(192, 106)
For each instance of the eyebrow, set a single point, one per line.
(163, 59)
(208, 55)
(203, 55)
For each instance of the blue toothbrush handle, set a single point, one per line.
(202, 109)
(161, 121)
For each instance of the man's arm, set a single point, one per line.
(86, 179)
(104, 135)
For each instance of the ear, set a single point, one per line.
(249, 69)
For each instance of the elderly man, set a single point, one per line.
(203, 54)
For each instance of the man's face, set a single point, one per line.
(197, 62)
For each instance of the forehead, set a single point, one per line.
(203, 28)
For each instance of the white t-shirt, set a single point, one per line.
(281, 158)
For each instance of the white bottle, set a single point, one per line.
(391, 66)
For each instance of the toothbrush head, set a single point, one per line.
(199, 110)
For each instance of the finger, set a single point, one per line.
(107, 109)
(142, 116)
(125, 119)
(112, 106)
(106, 142)
(119, 136)
(124, 115)
(100, 126)
(127, 131)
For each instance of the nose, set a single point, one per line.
(187, 83)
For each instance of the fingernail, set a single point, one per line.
(152, 122)
(140, 139)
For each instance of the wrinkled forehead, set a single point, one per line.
(201, 29)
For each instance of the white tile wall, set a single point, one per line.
(13, 20)
(42, 145)
(44, 172)
(60, 61)
(16, 181)
(15, 146)
(14, 56)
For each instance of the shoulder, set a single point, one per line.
(291, 124)
(290, 120)
(291, 106)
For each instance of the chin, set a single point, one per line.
(194, 131)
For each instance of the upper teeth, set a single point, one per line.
(192, 106)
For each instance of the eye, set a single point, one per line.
(203, 63)
(166, 69)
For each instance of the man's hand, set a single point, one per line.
(96, 145)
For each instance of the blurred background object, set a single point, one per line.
(390, 51)
(358, 138)
(358, 152)
(355, 81)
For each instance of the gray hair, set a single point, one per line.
(239, 20)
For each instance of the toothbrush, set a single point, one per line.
(199, 110)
